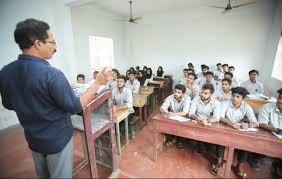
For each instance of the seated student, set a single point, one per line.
(235, 80)
(80, 79)
(229, 75)
(113, 83)
(132, 83)
(205, 108)
(204, 69)
(218, 73)
(270, 119)
(184, 78)
(192, 89)
(208, 80)
(160, 72)
(142, 77)
(176, 104)
(149, 76)
(225, 68)
(95, 73)
(253, 85)
(234, 114)
(223, 94)
(137, 68)
(122, 96)
(191, 67)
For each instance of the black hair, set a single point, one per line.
(180, 87)
(227, 80)
(122, 77)
(129, 72)
(225, 65)
(218, 64)
(229, 73)
(241, 91)
(80, 76)
(208, 87)
(191, 70)
(231, 67)
(116, 71)
(145, 67)
(185, 69)
(191, 64)
(137, 67)
(205, 66)
(193, 74)
(254, 71)
(209, 73)
(279, 91)
(28, 31)
(160, 67)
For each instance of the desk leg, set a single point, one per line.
(140, 117)
(126, 130)
(145, 113)
(118, 138)
(155, 150)
(229, 158)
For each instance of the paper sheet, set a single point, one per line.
(178, 118)
(279, 136)
(249, 129)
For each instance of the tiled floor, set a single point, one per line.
(135, 161)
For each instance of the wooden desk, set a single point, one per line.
(140, 101)
(258, 142)
(148, 90)
(159, 85)
(118, 117)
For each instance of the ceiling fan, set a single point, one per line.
(230, 7)
(131, 19)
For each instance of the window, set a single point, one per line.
(277, 67)
(101, 52)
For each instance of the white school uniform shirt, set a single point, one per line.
(235, 82)
(173, 105)
(253, 88)
(123, 97)
(205, 111)
(219, 93)
(219, 74)
(134, 87)
(270, 114)
(183, 81)
(237, 115)
(112, 84)
(189, 91)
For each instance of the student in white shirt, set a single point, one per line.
(224, 94)
(229, 75)
(204, 69)
(80, 79)
(208, 80)
(113, 83)
(176, 104)
(122, 96)
(184, 78)
(225, 68)
(192, 89)
(235, 80)
(132, 83)
(253, 85)
(218, 73)
(239, 115)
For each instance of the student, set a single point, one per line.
(204, 108)
(184, 78)
(253, 85)
(113, 83)
(145, 68)
(208, 80)
(235, 80)
(191, 67)
(192, 89)
(229, 75)
(234, 114)
(225, 67)
(270, 119)
(190, 71)
(80, 79)
(132, 83)
(122, 96)
(149, 76)
(176, 104)
(224, 94)
(95, 73)
(137, 68)
(218, 73)
(160, 72)
(204, 69)
(142, 77)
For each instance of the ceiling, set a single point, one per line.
(143, 7)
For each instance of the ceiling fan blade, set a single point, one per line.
(218, 7)
(137, 18)
(130, 4)
(244, 4)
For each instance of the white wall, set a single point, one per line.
(57, 16)
(92, 20)
(201, 35)
(272, 84)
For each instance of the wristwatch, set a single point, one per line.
(277, 130)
